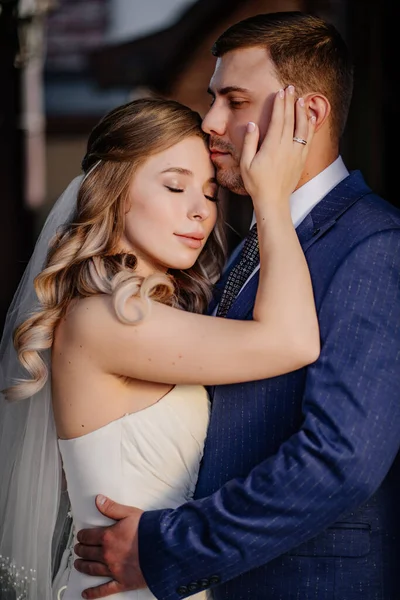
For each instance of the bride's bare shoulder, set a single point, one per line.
(83, 314)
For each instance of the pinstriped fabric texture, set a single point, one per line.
(299, 491)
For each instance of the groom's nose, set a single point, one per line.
(214, 121)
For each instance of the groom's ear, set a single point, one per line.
(318, 106)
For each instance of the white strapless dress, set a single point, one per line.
(149, 459)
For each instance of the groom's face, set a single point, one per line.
(242, 89)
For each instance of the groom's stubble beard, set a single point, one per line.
(229, 177)
(232, 180)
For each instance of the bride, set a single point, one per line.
(110, 305)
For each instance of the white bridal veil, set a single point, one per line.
(32, 518)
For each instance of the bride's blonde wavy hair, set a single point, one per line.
(83, 258)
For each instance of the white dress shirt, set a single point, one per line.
(305, 198)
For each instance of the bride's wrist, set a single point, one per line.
(273, 211)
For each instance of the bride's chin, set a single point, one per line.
(181, 265)
(180, 262)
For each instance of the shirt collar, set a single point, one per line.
(306, 197)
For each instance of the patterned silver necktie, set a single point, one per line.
(248, 260)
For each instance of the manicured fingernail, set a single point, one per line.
(281, 93)
(251, 126)
(291, 89)
(101, 499)
(301, 101)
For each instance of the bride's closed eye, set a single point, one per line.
(180, 190)
(175, 190)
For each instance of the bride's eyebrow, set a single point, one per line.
(179, 170)
(183, 171)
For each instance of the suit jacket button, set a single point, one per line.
(214, 579)
(204, 583)
(193, 587)
(182, 589)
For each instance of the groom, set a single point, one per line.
(298, 494)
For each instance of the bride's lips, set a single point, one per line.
(193, 240)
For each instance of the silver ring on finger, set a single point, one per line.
(300, 140)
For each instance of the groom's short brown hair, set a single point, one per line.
(307, 52)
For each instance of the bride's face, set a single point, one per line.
(172, 207)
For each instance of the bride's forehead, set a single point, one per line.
(188, 148)
(188, 155)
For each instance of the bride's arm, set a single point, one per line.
(177, 347)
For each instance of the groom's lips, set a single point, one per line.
(216, 153)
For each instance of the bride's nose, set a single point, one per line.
(199, 209)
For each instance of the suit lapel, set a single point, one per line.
(327, 212)
(322, 218)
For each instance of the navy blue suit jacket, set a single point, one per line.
(299, 490)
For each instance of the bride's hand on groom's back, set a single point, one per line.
(111, 551)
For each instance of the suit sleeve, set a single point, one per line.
(334, 463)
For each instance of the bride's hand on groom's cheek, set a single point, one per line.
(111, 551)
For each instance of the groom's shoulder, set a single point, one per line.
(376, 209)
(372, 214)
(368, 224)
